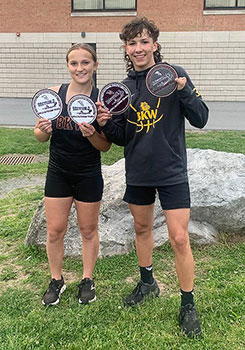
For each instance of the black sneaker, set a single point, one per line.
(86, 293)
(141, 292)
(52, 294)
(188, 320)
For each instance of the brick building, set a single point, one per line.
(206, 37)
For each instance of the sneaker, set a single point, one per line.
(141, 292)
(52, 294)
(188, 320)
(86, 293)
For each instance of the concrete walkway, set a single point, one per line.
(223, 115)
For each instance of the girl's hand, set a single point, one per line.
(181, 81)
(45, 125)
(103, 114)
(87, 129)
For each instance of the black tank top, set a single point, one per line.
(69, 150)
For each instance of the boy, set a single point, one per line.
(155, 158)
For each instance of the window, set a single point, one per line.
(224, 4)
(103, 5)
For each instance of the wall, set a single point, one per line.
(210, 46)
(215, 61)
(46, 16)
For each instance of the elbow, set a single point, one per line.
(204, 118)
(41, 140)
(106, 148)
(202, 124)
(204, 121)
(120, 143)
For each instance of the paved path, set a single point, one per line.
(223, 115)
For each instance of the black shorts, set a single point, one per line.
(80, 187)
(171, 197)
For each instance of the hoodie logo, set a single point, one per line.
(146, 117)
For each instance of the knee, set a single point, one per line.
(55, 235)
(179, 239)
(89, 232)
(142, 228)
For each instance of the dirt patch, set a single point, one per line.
(21, 276)
(163, 287)
(233, 239)
(130, 280)
(15, 281)
(6, 186)
(70, 277)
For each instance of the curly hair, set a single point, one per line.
(135, 28)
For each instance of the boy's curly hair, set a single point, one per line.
(134, 29)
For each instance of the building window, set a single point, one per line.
(224, 4)
(103, 5)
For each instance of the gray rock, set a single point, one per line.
(217, 184)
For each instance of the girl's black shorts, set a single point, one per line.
(81, 187)
(171, 197)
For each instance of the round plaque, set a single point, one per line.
(116, 97)
(47, 104)
(81, 108)
(160, 80)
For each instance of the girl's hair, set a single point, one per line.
(134, 29)
(86, 47)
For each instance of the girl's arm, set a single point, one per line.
(43, 130)
(99, 141)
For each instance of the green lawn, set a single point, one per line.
(107, 324)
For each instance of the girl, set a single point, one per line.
(74, 175)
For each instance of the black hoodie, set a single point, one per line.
(152, 131)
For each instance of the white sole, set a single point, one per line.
(58, 300)
(90, 301)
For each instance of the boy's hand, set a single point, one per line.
(103, 114)
(181, 81)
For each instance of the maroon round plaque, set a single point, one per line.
(116, 97)
(160, 80)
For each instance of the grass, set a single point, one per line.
(107, 324)
(22, 141)
(226, 141)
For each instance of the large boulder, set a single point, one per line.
(217, 185)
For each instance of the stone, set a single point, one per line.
(217, 186)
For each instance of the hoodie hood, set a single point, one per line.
(139, 77)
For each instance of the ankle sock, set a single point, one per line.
(59, 280)
(146, 274)
(187, 297)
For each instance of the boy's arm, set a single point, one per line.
(195, 110)
(112, 127)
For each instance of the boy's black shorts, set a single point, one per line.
(171, 197)
(80, 187)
